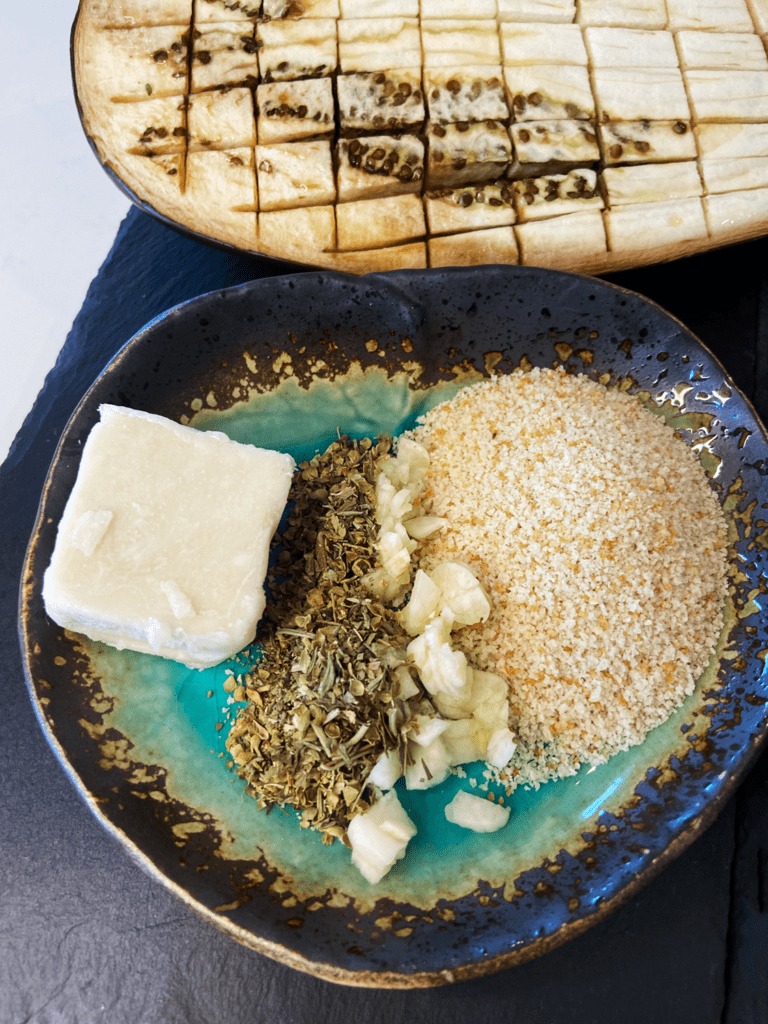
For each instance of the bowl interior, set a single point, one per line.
(286, 363)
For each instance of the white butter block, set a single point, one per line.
(164, 541)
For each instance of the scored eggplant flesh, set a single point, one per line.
(413, 133)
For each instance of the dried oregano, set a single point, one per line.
(324, 704)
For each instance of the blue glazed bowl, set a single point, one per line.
(286, 363)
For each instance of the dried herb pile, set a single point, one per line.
(323, 702)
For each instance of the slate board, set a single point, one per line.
(86, 937)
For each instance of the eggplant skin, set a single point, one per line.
(173, 96)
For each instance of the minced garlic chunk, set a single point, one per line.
(398, 489)
(475, 813)
(379, 837)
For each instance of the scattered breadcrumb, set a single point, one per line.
(602, 546)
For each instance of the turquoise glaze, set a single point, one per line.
(165, 711)
(304, 421)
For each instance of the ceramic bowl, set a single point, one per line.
(285, 363)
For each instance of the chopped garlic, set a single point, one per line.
(409, 465)
(463, 742)
(398, 485)
(379, 837)
(407, 687)
(386, 771)
(484, 701)
(386, 587)
(423, 604)
(501, 747)
(392, 504)
(421, 527)
(431, 764)
(393, 554)
(450, 587)
(427, 728)
(441, 669)
(385, 495)
(461, 592)
(475, 813)
(473, 704)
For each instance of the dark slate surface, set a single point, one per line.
(86, 937)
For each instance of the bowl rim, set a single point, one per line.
(328, 971)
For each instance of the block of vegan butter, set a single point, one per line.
(164, 541)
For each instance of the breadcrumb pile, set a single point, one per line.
(602, 546)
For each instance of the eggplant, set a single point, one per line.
(618, 135)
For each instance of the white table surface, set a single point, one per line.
(60, 210)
